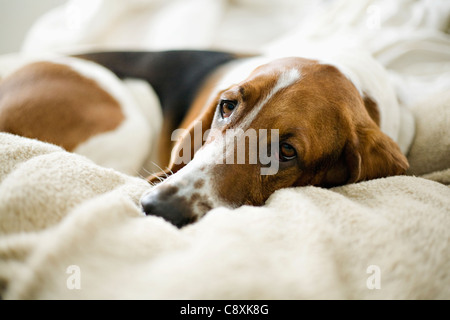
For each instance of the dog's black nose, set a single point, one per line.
(163, 202)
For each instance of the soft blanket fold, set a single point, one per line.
(72, 229)
(59, 210)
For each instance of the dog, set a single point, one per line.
(246, 125)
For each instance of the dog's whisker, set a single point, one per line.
(162, 170)
(137, 174)
(160, 178)
(156, 165)
(150, 174)
(147, 172)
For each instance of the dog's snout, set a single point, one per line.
(163, 202)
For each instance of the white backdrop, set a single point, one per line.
(410, 38)
(16, 18)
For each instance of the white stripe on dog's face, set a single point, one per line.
(285, 80)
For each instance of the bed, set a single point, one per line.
(72, 229)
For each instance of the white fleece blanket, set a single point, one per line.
(72, 229)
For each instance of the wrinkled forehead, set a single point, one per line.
(287, 71)
(296, 79)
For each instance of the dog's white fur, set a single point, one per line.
(129, 148)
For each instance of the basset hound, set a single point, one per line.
(243, 126)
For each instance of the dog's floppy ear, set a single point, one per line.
(188, 141)
(371, 154)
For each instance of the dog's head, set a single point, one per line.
(292, 122)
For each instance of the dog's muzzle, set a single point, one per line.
(164, 202)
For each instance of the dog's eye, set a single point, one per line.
(227, 107)
(287, 152)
